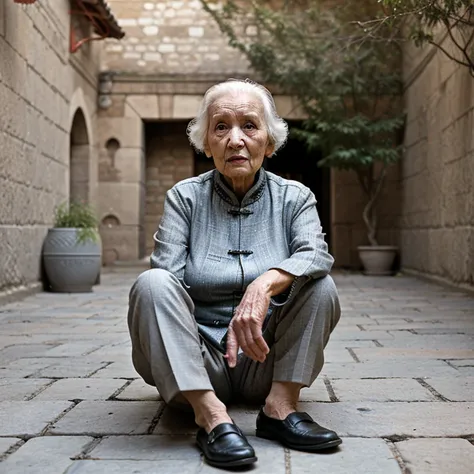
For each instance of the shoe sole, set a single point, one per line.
(236, 463)
(224, 464)
(299, 447)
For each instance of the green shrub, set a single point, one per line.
(79, 216)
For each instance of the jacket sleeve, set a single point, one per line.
(309, 256)
(172, 238)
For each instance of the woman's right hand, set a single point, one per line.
(245, 328)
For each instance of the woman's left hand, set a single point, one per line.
(245, 329)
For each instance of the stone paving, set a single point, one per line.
(398, 386)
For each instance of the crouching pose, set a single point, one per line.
(238, 302)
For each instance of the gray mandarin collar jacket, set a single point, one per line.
(216, 246)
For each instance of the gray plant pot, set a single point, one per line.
(71, 266)
(377, 259)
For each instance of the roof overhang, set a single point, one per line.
(101, 19)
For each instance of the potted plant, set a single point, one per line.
(72, 249)
(365, 141)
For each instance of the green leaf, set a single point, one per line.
(80, 216)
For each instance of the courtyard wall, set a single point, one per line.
(437, 221)
(42, 86)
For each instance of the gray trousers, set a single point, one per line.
(168, 352)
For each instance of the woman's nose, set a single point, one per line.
(236, 138)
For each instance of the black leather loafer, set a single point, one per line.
(225, 446)
(297, 431)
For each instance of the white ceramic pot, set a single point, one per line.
(377, 259)
(71, 266)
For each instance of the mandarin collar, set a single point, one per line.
(253, 194)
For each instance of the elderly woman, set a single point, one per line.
(238, 303)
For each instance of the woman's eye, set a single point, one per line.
(249, 126)
(220, 126)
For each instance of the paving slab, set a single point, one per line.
(462, 362)
(174, 421)
(411, 341)
(381, 390)
(424, 328)
(399, 329)
(18, 351)
(20, 389)
(385, 419)
(466, 330)
(13, 339)
(7, 443)
(246, 416)
(437, 456)
(351, 318)
(45, 455)
(337, 345)
(72, 349)
(25, 367)
(149, 448)
(316, 393)
(337, 356)
(6, 374)
(101, 338)
(135, 467)
(28, 418)
(345, 334)
(81, 389)
(377, 353)
(96, 418)
(113, 351)
(123, 370)
(466, 371)
(70, 368)
(460, 389)
(390, 368)
(354, 456)
(139, 390)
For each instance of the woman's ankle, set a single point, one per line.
(282, 400)
(209, 411)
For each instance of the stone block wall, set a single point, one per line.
(437, 223)
(121, 196)
(171, 37)
(38, 85)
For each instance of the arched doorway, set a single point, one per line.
(79, 172)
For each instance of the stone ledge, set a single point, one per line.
(438, 280)
(18, 293)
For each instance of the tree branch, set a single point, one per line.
(469, 65)
(362, 183)
(454, 40)
(369, 214)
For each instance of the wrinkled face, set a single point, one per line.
(237, 137)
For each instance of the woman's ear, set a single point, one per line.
(269, 150)
(207, 150)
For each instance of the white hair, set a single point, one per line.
(277, 128)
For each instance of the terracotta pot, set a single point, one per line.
(377, 259)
